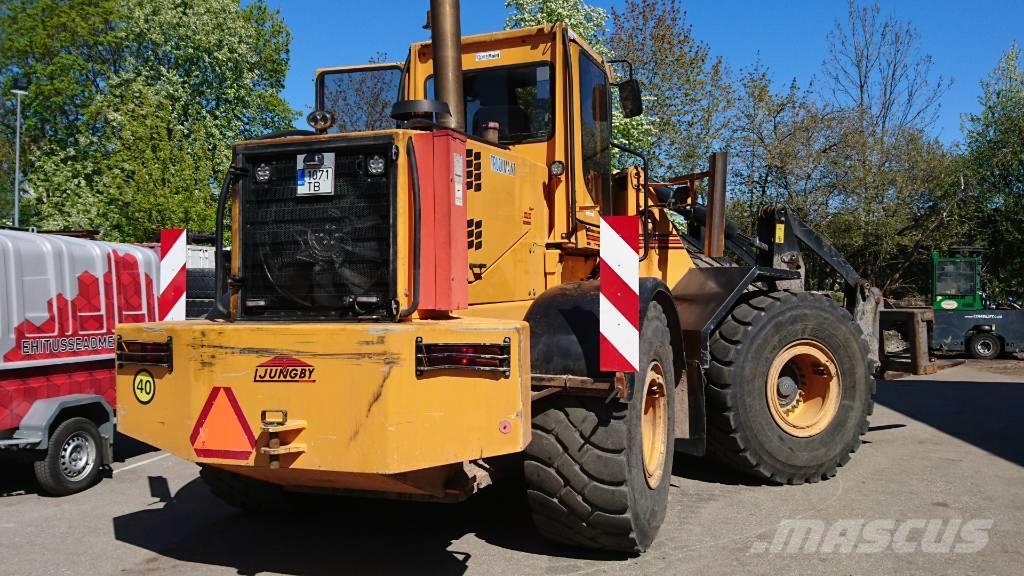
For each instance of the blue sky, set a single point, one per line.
(964, 38)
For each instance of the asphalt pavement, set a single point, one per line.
(937, 488)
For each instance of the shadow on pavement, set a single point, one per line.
(126, 448)
(712, 471)
(329, 535)
(985, 414)
(17, 478)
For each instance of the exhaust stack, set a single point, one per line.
(446, 42)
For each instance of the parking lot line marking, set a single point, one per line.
(143, 463)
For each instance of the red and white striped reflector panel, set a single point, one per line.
(620, 298)
(173, 253)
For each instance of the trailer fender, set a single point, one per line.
(34, 430)
(564, 329)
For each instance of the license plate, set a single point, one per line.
(314, 174)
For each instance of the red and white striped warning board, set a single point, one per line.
(173, 254)
(620, 298)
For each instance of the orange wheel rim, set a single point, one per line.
(804, 388)
(654, 422)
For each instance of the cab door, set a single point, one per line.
(592, 177)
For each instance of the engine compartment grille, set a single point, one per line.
(321, 257)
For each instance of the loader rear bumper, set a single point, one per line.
(287, 402)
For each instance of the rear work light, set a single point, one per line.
(494, 358)
(138, 352)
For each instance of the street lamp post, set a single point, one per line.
(20, 88)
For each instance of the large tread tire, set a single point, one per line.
(584, 468)
(741, 430)
(48, 470)
(197, 308)
(985, 346)
(200, 283)
(247, 494)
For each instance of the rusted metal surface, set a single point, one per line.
(714, 230)
(547, 384)
(446, 37)
(916, 322)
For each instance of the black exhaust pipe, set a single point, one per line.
(446, 42)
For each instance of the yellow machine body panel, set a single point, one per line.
(344, 397)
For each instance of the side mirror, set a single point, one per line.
(630, 98)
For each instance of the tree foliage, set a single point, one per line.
(590, 22)
(688, 93)
(853, 155)
(134, 105)
(994, 163)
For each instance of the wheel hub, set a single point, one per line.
(77, 456)
(804, 388)
(788, 391)
(654, 424)
(985, 347)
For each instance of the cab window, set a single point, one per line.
(955, 278)
(360, 98)
(595, 127)
(518, 98)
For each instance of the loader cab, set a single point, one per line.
(541, 93)
(956, 280)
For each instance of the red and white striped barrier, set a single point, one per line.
(173, 255)
(620, 298)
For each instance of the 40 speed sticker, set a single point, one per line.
(144, 386)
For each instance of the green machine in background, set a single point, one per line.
(956, 279)
(964, 320)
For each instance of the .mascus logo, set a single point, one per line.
(284, 369)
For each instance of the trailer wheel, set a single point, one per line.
(244, 493)
(597, 471)
(985, 346)
(789, 387)
(72, 460)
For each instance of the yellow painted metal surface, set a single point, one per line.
(364, 409)
(509, 219)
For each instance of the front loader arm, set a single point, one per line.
(783, 232)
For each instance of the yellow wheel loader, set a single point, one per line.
(414, 289)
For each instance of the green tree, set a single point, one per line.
(590, 22)
(781, 144)
(888, 175)
(995, 172)
(852, 155)
(688, 90)
(134, 105)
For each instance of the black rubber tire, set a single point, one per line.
(48, 470)
(741, 430)
(978, 349)
(244, 493)
(584, 467)
(195, 308)
(200, 283)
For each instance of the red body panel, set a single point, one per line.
(21, 387)
(444, 259)
(80, 328)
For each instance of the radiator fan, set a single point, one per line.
(345, 257)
